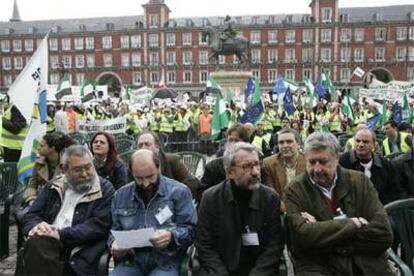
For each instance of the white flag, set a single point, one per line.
(24, 90)
(359, 72)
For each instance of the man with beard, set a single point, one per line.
(152, 201)
(282, 167)
(68, 223)
(239, 228)
(337, 224)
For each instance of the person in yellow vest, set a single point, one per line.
(262, 140)
(154, 118)
(13, 134)
(180, 128)
(335, 120)
(269, 118)
(395, 141)
(50, 121)
(167, 126)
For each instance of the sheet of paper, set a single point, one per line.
(133, 238)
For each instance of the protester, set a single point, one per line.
(61, 119)
(404, 167)
(396, 142)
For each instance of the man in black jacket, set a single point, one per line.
(239, 228)
(404, 167)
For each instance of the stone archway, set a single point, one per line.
(113, 81)
(380, 73)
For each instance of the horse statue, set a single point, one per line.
(237, 45)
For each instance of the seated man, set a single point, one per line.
(155, 201)
(68, 223)
(404, 167)
(239, 228)
(337, 224)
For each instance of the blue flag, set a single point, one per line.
(280, 86)
(320, 89)
(373, 121)
(43, 106)
(288, 102)
(253, 114)
(248, 91)
(397, 113)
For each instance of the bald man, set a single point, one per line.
(152, 201)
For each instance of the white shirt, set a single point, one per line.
(66, 212)
(367, 168)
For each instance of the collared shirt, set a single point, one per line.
(66, 212)
(367, 168)
(327, 192)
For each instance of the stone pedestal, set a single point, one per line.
(234, 80)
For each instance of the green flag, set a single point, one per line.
(406, 112)
(346, 107)
(327, 83)
(311, 100)
(384, 115)
(229, 96)
(125, 94)
(256, 95)
(221, 117)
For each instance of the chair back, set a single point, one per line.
(80, 138)
(124, 145)
(192, 160)
(401, 213)
(8, 179)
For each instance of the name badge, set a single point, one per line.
(250, 239)
(163, 215)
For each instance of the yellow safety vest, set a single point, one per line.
(11, 140)
(166, 126)
(179, 123)
(50, 124)
(404, 147)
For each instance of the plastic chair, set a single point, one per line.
(401, 213)
(192, 160)
(78, 137)
(124, 145)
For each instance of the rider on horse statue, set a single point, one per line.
(228, 33)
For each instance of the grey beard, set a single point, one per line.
(82, 187)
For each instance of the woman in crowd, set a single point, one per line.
(107, 163)
(46, 165)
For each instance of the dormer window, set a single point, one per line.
(82, 27)
(254, 20)
(411, 16)
(326, 15)
(344, 18)
(189, 23)
(306, 18)
(377, 17)
(288, 19)
(109, 26)
(32, 30)
(153, 20)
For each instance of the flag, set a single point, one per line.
(64, 87)
(221, 117)
(346, 107)
(253, 114)
(43, 106)
(359, 72)
(397, 112)
(384, 112)
(312, 101)
(288, 102)
(213, 85)
(257, 93)
(24, 90)
(373, 121)
(406, 115)
(327, 83)
(280, 86)
(87, 92)
(229, 96)
(125, 94)
(248, 91)
(320, 90)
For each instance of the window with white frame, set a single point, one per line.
(18, 63)
(345, 75)
(187, 57)
(359, 54)
(402, 33)
(345, 54)
(90, 43)
(307, 54)
(7, 80)
(54, 62)
(271, 55)
(306, 73)
(80, 61)
(203, 76)
(326, 54)
(170, 39)
(290, 36)
(256, 74)
(136, 59)
(401, 53)
(90, 60)
(187, 39)
(380, 34)
(124, 41)
(153, 59)
(290, 74)
(107, 59)
(17, 45)
(307, 36)
(125, 60)
(7, 63)
(78, 41)
(359, 35)
(154, 78)
(80, 77)
(170, 56)
(290, 55)
(153, 40)
(54, 78)
(200, 40)
(411, 33)
(255, 56)
(379, 54)
(136, 78)
(28, 45)
(346, 35)
(66, 45)
(53, 44)
(326, 35)
(107, 42)
(411, 53)
(5, 46)
(326, 15)
(187, 77)
(203, 57)
(410, 73)
(255, 37)
(67, 61)
(222, 59)
(271, 75)
(272, 36)
(153, 20)
(171, 77)
(135, 41)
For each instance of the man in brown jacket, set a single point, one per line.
(282, 167)
(337, 225)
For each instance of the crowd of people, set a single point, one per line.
(323, 176)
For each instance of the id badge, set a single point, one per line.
(250, 239)
(163, 215)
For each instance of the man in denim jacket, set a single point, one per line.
(152, 200)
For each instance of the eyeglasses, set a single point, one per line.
(86, 168)
(249, 166)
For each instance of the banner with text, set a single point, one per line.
(117, 125)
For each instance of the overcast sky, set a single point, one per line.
(55, 9)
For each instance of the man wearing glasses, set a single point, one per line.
(238, 231)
